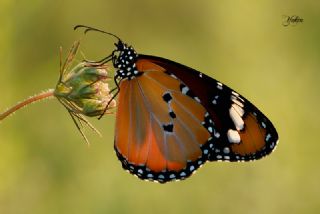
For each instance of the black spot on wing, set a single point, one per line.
(167, 97)
(168, 127)
(172, 114)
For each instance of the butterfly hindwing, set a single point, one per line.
(160, 131)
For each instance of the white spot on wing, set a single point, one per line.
(272, 145)
(183, 174)
(226, 150)
(185, 90)
(236, 118)
(238, 109)
(197, 99)
(236, 101)
(172, 176)
(233, 136)
(235, 93)
(161, 176)
(216, 134)
(214, 101)
(268, 137)
(174, 76)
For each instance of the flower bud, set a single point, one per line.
(84, 89)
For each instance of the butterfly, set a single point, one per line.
(171, 119)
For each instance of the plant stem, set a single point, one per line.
(37, 97)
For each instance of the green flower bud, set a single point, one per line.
(84, 89)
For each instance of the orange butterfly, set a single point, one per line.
(171, 119)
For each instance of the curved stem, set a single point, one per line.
(37, 97)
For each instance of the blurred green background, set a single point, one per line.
(45, 166)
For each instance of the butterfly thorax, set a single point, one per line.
(125, 61)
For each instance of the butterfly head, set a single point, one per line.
(124, 60)
(123, 57)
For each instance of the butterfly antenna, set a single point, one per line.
(87, 29)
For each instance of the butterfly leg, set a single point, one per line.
(99, 62)
(117, 89)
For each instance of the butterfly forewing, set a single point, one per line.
(239, 130)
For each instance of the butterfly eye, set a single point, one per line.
(119, 45)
